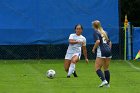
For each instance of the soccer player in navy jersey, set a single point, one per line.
(77, 43)
(102, 47)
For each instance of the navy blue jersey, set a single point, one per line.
(103, 50)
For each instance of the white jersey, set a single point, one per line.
(76, 48)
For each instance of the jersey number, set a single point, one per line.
(103, 38)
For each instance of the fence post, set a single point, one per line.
(129, 41)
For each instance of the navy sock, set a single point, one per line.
(107, 75)
(100, 74)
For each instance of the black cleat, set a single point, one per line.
(68, 76)
(74, 74)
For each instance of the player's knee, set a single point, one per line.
(74, 61)
(105, 68)
(97, 67)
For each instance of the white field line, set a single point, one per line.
(132, 66)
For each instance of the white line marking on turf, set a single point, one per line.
(133, 66)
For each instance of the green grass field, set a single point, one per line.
(28, 76)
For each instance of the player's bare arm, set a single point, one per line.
(96, 45)
(85, 53)
(72, 41)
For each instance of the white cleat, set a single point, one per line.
(103, 83)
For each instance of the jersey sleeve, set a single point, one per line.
(96, 36)
(71, 36)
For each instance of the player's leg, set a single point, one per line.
(74, 60)
(67, 61)
(67, 64)
(98, 65)
(106, 69)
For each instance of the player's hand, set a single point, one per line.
(80, 42)
(87, 61)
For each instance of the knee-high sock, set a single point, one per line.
(107, 75)
(100, 74)
(71, 69)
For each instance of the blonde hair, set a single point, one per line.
(97, 25)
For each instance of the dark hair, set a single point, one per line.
(78, 25)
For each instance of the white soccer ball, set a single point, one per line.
(50, 73)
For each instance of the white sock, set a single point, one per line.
(71, 69)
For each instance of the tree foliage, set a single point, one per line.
(132, 9)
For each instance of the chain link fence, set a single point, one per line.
(45, 51)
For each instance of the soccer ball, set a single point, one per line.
(50, 73)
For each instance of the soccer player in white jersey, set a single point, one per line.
(103, 55)
(76, 42)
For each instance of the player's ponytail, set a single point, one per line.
(103, 33)
(97, 26)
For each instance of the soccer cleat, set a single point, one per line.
(103, 83)
(74, 74)
(68, 76)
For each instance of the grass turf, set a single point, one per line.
(28, 76)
